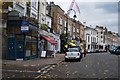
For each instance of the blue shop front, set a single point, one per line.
(22, 40)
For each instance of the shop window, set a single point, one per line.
(28, 45)
(34, 47)
(28, 48)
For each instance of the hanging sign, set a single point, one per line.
(24, 28)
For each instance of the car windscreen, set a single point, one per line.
(72, 50)
(115, 47)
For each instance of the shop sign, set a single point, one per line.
(27, 52)
(43, 54)
(24, 28)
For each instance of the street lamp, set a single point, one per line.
(74, 13)
(67, 23)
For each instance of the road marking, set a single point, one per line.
(45, 70)
(48, 69)
(45, 67)
(39, 71)
(25, 65)
(20, 71)
(42, 71)
(54, 65)
(38, 77)
(33, 65)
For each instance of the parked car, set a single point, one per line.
(116, 50)
(97, 50)
(112, 49)
(77, 47)
(73, 54)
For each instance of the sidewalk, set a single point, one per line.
(35, 62)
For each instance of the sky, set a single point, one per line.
(94, 12)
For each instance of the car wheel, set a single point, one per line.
(116, 53)
(79, 59)
(66, 59)
(81, 56)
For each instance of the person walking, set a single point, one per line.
(84, 51)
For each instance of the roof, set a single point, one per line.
(90, 28)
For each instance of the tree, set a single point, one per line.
(44, 27)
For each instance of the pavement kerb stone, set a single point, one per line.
(55, 60)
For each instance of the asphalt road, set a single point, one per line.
(94, 65)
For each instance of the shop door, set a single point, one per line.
(20, 50)
(11, 54)
(20, 46)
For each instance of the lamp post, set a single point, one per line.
(68, 23)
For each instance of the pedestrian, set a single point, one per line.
(84, 49)
(85, 52)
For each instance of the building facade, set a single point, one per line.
(57, 14)
(101, 37)
(47, 42)
(91, 39)
(42, 12)
(22, 30)
(111, 39)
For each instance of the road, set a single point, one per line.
(94, 65)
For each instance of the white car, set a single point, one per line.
(73, 53)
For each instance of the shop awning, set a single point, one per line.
(53, 42)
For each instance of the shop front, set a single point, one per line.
(48, 45)
(22, 40)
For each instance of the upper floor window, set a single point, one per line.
(73, 29)
(43, 9)
(48, 23)
(69, 28)
(88, 38)
(77, 30)
(60, 21)
(91, 39)
(65, 23)
(33, 15)
(34, 4)
(19, 8)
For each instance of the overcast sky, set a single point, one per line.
(102, 13)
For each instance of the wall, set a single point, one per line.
(20, 7)
(48, 20)
(34, 9)
(42, 12)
